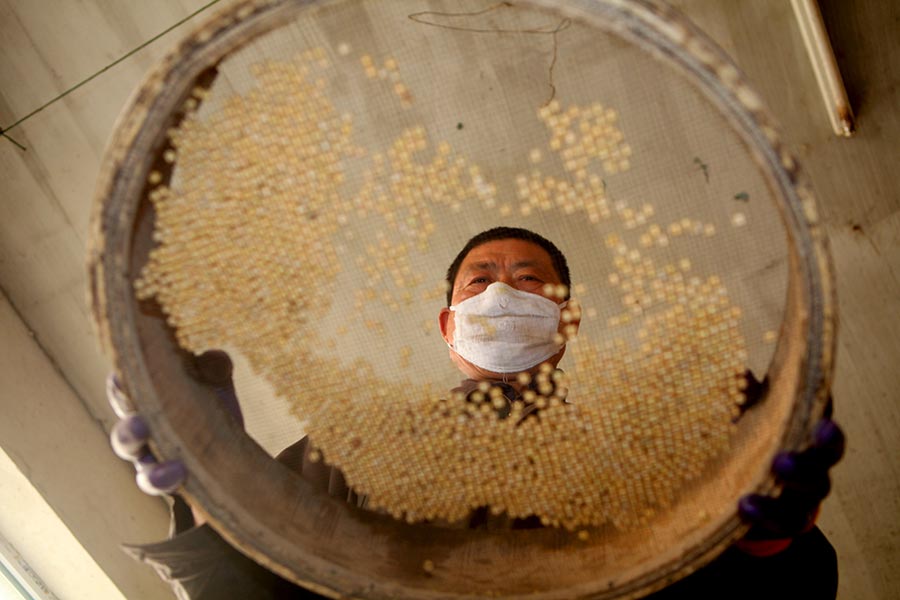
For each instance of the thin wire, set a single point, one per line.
(417, 18)
(564, 24)
(15, 143)
(3, 130)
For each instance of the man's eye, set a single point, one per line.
(528, 278)
(479, 280)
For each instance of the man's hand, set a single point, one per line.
(805, 483)
(130, 435)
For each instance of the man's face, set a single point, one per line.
(517, 263)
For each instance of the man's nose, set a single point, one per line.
(507, 278)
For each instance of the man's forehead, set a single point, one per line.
(509, 252)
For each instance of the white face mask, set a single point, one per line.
(506, 330)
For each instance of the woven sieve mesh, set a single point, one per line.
(324, 182)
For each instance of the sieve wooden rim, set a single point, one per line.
(277, 533)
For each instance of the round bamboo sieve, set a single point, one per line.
(687, 135)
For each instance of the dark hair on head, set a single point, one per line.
(510, 233)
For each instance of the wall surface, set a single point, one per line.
(52, 401)
(63, 451)
(26, 523)
(55, 416)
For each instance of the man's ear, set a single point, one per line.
(444, 322)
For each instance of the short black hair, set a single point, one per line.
(510, 233)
